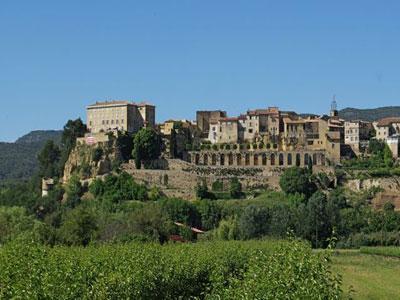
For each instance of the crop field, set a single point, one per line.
(385, 251)
(209, 270)
(367, 276)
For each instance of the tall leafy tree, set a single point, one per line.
(72, 130)
(297, 180)
(49, 159)
(147, 146)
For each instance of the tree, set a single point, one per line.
(74, 191)
(202, 191)
(317, 222)
(253, 223)
(375, 146)
(297, 180)
(387, 156)
(125, 145)
(210, 213)
(97, 154)
(147, 146)
(72, 130)
(79, 227)
(179, 210)
(235, 188)
(49, 159)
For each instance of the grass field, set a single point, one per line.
(385, 251)
(369, 276)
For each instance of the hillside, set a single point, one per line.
(372, 114)
(18, 160)
(40, 136)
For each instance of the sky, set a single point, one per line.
(56, 57)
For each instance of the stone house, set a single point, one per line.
(357, 134)
(119, 115)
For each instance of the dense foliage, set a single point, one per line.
(147, 146)
(218, 270)
(18, 161)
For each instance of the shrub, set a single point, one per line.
(97, 154)
(235, 188)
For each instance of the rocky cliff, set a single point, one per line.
(90, 161)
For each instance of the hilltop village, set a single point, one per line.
(260, 137)
(256, 146)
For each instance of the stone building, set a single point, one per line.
(387, 127)
(206, 117)
(357, 134)
(119, 115)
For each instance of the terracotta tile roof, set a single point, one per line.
(388, 121)
(229, 119)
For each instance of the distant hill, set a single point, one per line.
(19, 160)
(39, 136)
(372, 114)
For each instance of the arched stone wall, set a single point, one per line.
(261, 158)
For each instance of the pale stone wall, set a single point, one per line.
(258, 158)
(119, 115)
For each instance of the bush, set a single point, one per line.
(97, 154)
(235, 188)
(217, 186)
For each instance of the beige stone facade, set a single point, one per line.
(357, 134)
(206, 117)
(119, 115)
(387, 127)
(286, 131)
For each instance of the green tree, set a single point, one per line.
(253, 222)
(49, 159)
(14, 221)
(79, 227)
(72, 130)
(210, 213)
(235, 188)
(387, 156)
(297, 180)
(318, 227)
(74, 191)
(202, 191)
(179, 210)
(147, 146)
(97, 154)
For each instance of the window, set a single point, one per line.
(107, 122)
(112, 121)
(250, 130)
(90, 123)
(117, 121)
(103, 122)
(122, 122)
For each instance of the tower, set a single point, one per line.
(334, 112)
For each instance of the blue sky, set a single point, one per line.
(58, 56)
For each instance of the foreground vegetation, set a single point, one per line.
(368, 276)
(218, 270)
